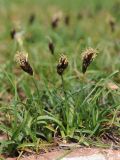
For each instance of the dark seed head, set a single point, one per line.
(88, 56)
(12, 33)
(67, 20)
(27, 68)
(62, 65)
(55, 19)
(54, 23)
(32, 18)
(51, 47)
(112, 25)
(111, 22)
(22, 59)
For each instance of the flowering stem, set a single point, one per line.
(63, 86)
(38, 97)
(66, 105)
(36, 86)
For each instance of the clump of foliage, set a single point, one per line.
(42, 107)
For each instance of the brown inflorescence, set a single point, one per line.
(67, 20)
(87, 57)
(62, 65)
(22, 59)
(51, 47)
(12, 33)
(54, 23)
(55, 19)
(112, 24)
(32, 18)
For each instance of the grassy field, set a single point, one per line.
(47, 109)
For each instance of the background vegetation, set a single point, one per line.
(34, 111)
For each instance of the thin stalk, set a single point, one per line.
(66, 104)
(38, 97)
(36, 86)
(63, 86)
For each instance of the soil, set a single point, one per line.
(76, 154)
(73, 154)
